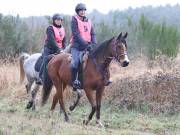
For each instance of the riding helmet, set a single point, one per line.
(79, 7)
(57, 16)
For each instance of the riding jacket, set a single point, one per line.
(55, 38)
(82, 33)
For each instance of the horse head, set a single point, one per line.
(118, 48)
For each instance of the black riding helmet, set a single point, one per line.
(79, 7)
(57, 17)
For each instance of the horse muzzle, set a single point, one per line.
(125, 64)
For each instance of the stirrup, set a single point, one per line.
(76, 85)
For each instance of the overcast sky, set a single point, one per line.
(49, 7)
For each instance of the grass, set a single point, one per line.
(15, 119)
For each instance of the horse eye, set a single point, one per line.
(119, 45)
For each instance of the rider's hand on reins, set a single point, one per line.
(89, 48)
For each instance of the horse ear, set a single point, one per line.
(125, 35)
(119, 37)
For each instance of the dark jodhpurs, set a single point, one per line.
(43, 70)
(75, 62)
(75, 58)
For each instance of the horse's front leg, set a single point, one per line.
(79, 95)
(99, 94)
(89, 94)
(29, 84)
(28, 89)
(31, 102)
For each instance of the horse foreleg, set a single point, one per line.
(99, 93)
(33, 94)
(79, 94)
(28, 85)
(31, 102)
(89, 94)
(28, 89)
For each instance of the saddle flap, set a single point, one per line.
(83, 58)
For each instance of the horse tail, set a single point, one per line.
(47, 86)
(22, 58)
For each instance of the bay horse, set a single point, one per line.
(59, 71)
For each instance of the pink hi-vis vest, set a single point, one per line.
(84, 29)
(59, 35)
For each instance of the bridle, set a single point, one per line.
(109, 58)
(117, 55)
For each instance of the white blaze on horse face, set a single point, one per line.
(122, 51)
(126, 58)
(125, 54)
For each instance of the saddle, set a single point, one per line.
(83, 59)
(39, 62)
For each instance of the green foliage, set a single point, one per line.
(158, 39)
(103, 32)
(146, 36)
(18, 34)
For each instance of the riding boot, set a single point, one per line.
(41, 71)
(45, 72)
(39, 79)
(75, 82)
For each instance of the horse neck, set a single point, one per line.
(103, 58)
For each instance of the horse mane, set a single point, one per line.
(101, 47)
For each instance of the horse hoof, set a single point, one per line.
(29, 105)
(50, 114)
(100, 125)
(33, 107)
(66, 119)
(71, 108)
(85, 122)
(27, 89)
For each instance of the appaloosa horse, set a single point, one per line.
(27, 68)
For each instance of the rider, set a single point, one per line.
(83, 38)
(55, 42)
